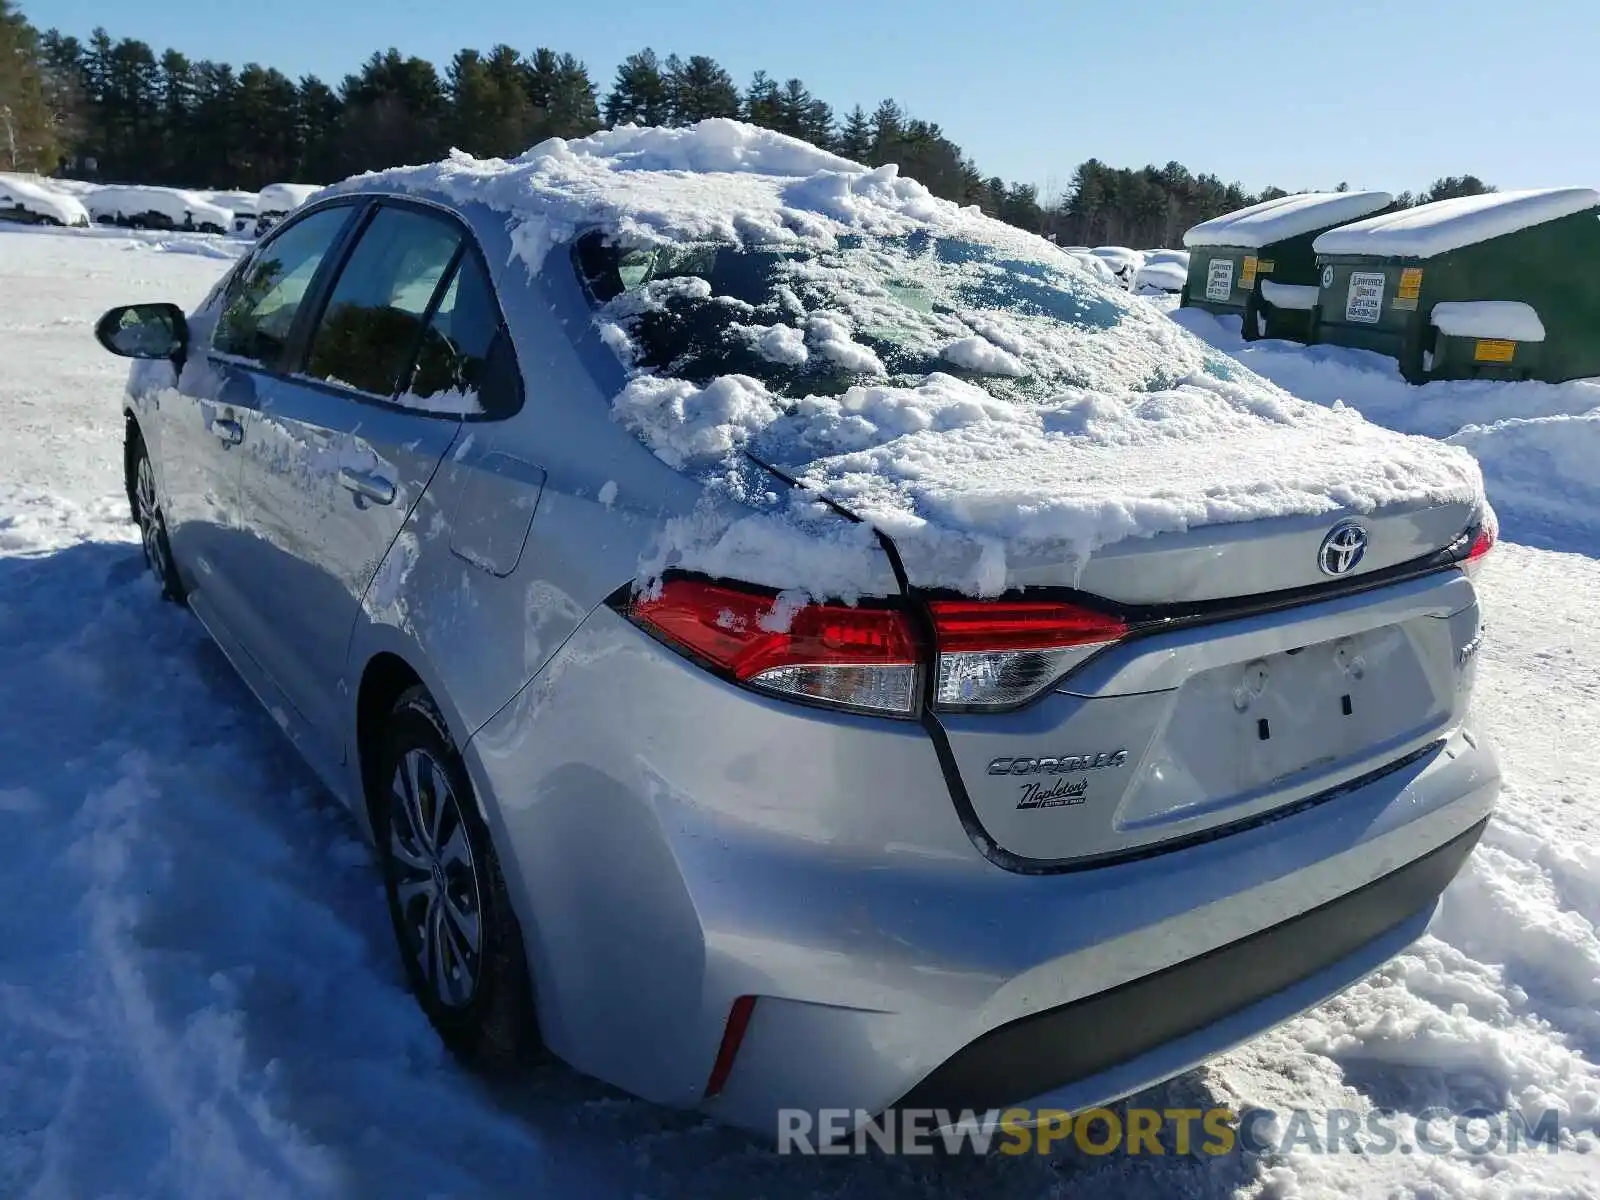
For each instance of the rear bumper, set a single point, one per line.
(1334, 945)
(673, 843)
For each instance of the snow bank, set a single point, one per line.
(1541, 468)
(1049, 414)
(1444, 225)
(1286, 217)
(1298, 296)
(1509, 319)
(34, 196)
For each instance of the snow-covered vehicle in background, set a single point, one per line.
(278, 200)
(1095, 264)
(243, 207)
(32, 202)
(799, 643)
(146, 207)
(1124, 262)
(1164, 271)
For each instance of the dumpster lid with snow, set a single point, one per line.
(1285, 217)
(1445, 225)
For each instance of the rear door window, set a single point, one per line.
(373, 321)
(260, 304)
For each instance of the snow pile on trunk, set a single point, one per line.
(1046, 426)
(1536, 443)
(1285, 217)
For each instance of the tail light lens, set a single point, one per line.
(858, 658)
(998, 654)
(1473, 546)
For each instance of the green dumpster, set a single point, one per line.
(1258, 263)
(1498, 286)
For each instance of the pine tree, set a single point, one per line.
(562, 95)
(855, 136)
(1452, 186)
(317, 135)
(28, 139)
(700, 89)
(640, 95)
(887, 124)
(762, 104)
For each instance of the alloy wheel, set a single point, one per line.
(436, 883)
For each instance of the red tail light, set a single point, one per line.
(998, 654)
(847, 657)
(1482, 542)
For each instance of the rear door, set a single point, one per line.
(340, 450)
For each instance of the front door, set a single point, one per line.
(238, 347)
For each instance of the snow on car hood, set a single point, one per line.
(968, 389)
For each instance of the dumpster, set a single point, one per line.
(1233, 258)
(1498, 286)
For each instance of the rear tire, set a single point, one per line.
(460, 943)
(146, 502)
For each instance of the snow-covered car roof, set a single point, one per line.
(173, 203)
(1285, 217)
(38, 198)
(966, 387)
(240, 204)
(282, 197)
(1117, 254)
(1167, 275)
(1446, 225)
(1154, 257)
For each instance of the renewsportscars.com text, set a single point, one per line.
(1179, 1131)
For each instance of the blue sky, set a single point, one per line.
(1387, 94)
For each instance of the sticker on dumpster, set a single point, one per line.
(1365, 300)
(1219, 279)
(1247, 277)
(1327, 276)
(1410, 287)
(1494, 350)
(1264, 266)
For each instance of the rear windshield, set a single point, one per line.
(870, 310)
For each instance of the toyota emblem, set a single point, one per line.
(1342, 548)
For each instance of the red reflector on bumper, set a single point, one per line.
(732, 1036)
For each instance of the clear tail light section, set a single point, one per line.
(998, 654)
(860, 658)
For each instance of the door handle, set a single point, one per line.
(230, 432)
(367, 484)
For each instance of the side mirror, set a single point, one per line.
(144, 331)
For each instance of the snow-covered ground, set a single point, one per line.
(198, 991)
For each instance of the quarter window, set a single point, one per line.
(373, 322)
(452, 366)
(259, 306)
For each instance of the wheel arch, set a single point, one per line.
(132, 437)
(385, 678)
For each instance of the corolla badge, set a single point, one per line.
(1342, 549)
